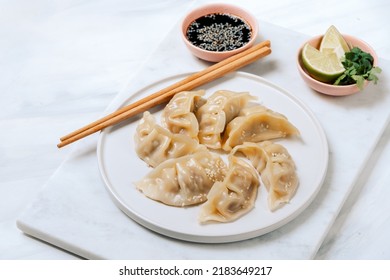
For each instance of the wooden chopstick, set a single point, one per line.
(211, 73)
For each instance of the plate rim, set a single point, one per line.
(214, 238)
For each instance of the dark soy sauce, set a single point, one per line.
(219, 32)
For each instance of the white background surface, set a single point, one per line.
(63, 62)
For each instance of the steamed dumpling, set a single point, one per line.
(220, 108)
(234, 197)
(185, 180)
(276, 167)
(279, 175)
(255, 124)
(155, 144)
(179, 114)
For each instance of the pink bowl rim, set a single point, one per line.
(251, 20)
(333, 89)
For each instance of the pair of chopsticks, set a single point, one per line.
(195, 80)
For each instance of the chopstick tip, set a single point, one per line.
(61, 144)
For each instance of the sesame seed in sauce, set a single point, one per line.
(219, 32)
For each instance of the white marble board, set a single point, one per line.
(74, 211)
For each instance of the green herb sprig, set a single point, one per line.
(358, 68)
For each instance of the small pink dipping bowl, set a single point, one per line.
(223, 9)
(330, 89)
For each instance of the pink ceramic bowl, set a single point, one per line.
(328, 88)
(223, 9)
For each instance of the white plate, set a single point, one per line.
(120, 167)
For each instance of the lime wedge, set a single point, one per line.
(334, 42)
(324, 67)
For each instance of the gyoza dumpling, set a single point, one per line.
(279, 175)
(234, 197)
(185, 180)
(221, 107)
(255, 124)
(179, 114)
(276, 167)
(155, 144)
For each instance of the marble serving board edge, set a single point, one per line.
(41, 218)
(365, 171)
